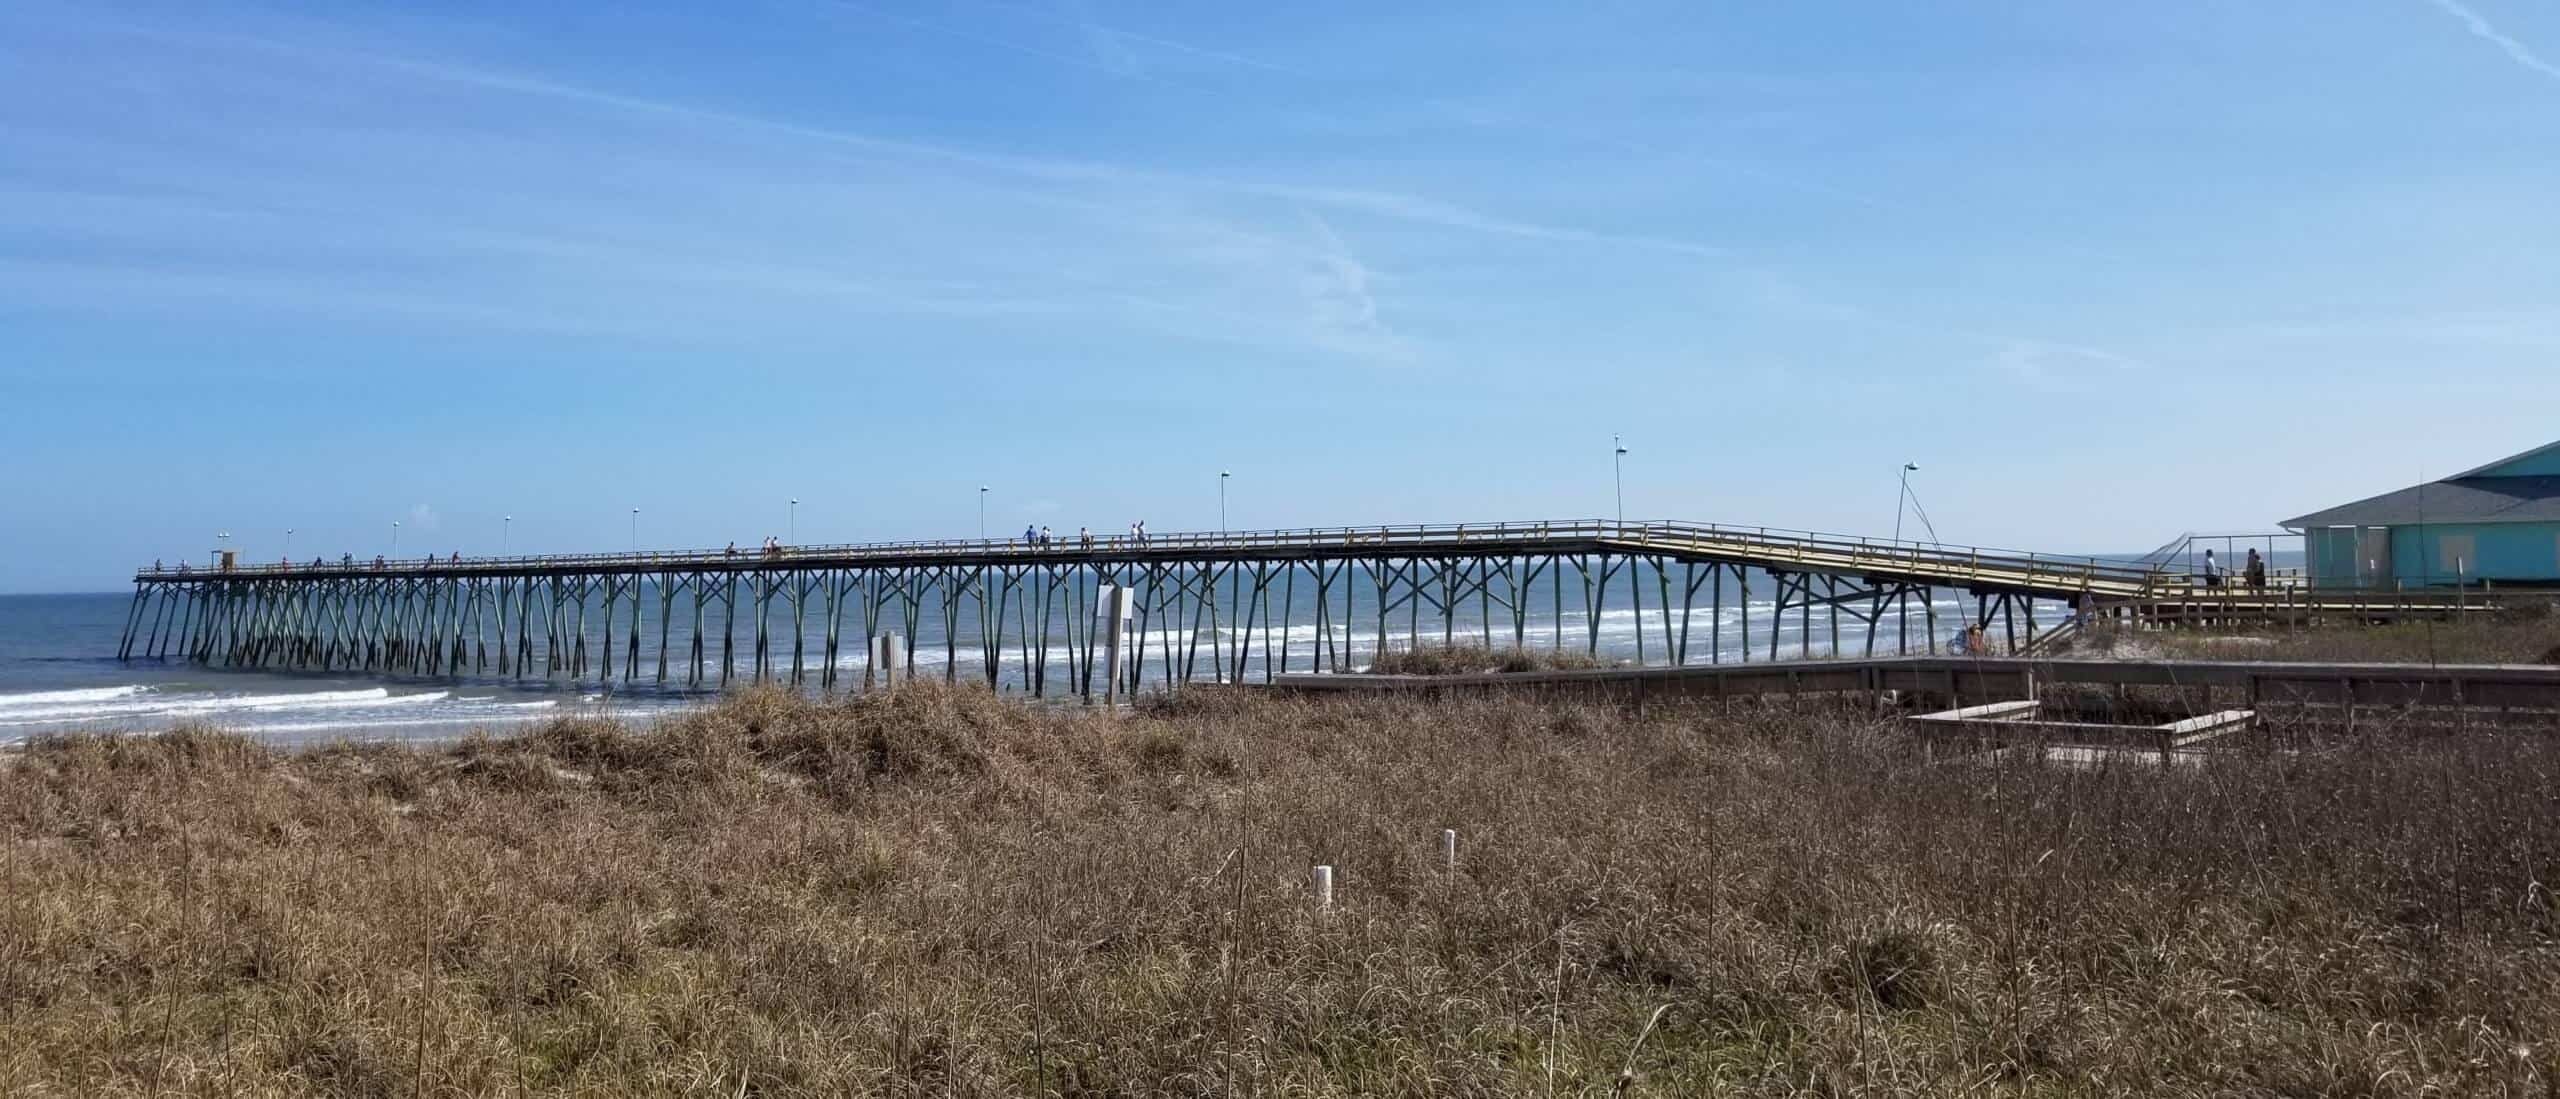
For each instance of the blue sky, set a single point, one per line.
(2105, 271)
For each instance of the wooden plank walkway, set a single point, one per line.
(2515, 686)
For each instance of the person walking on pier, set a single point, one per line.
(2212, 571)
(1138, 530)
(1084, 538)
(2254, 571)
(1045, 540)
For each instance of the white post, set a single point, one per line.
(1449, 848)
(1112, 606)
(1324, 888)
(886, 654)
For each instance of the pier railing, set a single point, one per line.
(2144, 578)
(1776, 545)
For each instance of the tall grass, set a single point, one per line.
(2525, 631)
(1475, 659)
(933, 891)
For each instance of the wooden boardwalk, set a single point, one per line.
(1964, 681)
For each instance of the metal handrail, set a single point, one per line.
(1776, 542)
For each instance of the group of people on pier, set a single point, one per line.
(2253, 572)
(1038, 537)
(345, 561)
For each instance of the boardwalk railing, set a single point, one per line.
(1770, 547)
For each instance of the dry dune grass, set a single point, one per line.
(935, 891)
(2523, 632)
(1473, 659)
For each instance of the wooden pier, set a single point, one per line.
(1206, 606)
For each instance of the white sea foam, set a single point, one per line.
(10, 702)
(157, 705)
(454, 721)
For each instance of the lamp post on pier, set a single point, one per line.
(793, 530)
(1902, 495)
(222, 544)
(1618, 475)
(982, 513)
(635, 530)
(395, 538)
(288, 545)
(506, 534)
(1222, 501)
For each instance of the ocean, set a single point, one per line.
(59, 671)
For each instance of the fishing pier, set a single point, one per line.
(1206, 607)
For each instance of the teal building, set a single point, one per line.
(2499, 523)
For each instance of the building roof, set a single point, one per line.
(2492, 468)
(2465, 499)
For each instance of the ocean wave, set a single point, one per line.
(86, 694)
(177, 706)
(455, 721)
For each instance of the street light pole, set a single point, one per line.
(1222, 500)
(1905, 494)
(395, 538)
(635, 530)
(794, 528)
(506, 534)
(1618, 475)
(288, 544)
(982, 513)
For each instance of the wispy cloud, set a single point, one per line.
(481, 197)
(1390, 204)
(1427, 211)
(1112, 40)
(1104, 60)
(2042, 364)
(2483, 29)
(2061, 367)
(1343, 310)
